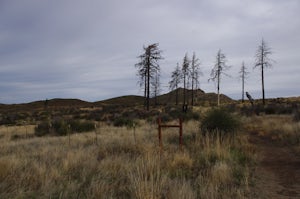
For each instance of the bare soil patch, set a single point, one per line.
(278, 170)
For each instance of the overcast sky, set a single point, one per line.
(87, 49)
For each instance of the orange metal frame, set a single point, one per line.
(169, 126)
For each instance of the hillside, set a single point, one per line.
(42, 104)
(200, 97)
(129, 100)
(105, 110)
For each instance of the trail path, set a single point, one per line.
(278, 171)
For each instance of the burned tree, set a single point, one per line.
(243, 75)
(218, 70)
(263, 61)
(195, 73)
(148, 67)
(185, 74)
(175, 81)
(156, 86)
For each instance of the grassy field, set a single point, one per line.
(280, 129)
(122, 163)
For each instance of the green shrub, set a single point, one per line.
(121, 121)
(81, 126)
(296, 116)
(219, 120)
(270, 109)
(165, 117)
(189, 115)
(15, 137)
(42, 129)
(61, 127)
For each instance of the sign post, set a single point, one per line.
(169, 126)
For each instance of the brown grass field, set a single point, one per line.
(117, 164)
(262, 161)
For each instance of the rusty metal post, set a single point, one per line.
(159, 132)
(69, 134)
(96, 136)
(180, 134)
(169, 126)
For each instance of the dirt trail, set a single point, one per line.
(278, 171)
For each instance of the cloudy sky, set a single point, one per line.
(87, 49)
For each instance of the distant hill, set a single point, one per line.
(201, 98)
(129, 100)
(58, 102)
(42, 104)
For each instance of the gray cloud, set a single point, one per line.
(87, 49)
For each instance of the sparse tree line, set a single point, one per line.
(188, 73)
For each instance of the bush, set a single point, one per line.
(219, 120)
(81, 126)
(42, 129)
(296, 116)
(61, 127)
(189, 115)
(121, 121)
(271, 109)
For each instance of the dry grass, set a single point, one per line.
(280, 128)
(118, 165)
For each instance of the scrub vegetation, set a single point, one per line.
(223, 153)
(113, 162)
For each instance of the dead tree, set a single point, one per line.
(195, 73)
(243, 75)
(156, 86)
(175, 81)
(148, 67)
(218, 70)
(185, 75)
(263, 61)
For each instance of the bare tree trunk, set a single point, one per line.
(263, 83)
(176, 95)
(243, 86)
(218, 88)
(145, 91)
(193, 90)
(148, 81)
(218, 74)
(184, 99)
(262, 76)
(243, 81)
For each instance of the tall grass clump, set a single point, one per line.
(147, 178)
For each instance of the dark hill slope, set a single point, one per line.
(200, 97)
(130, 100)
(42, 104)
